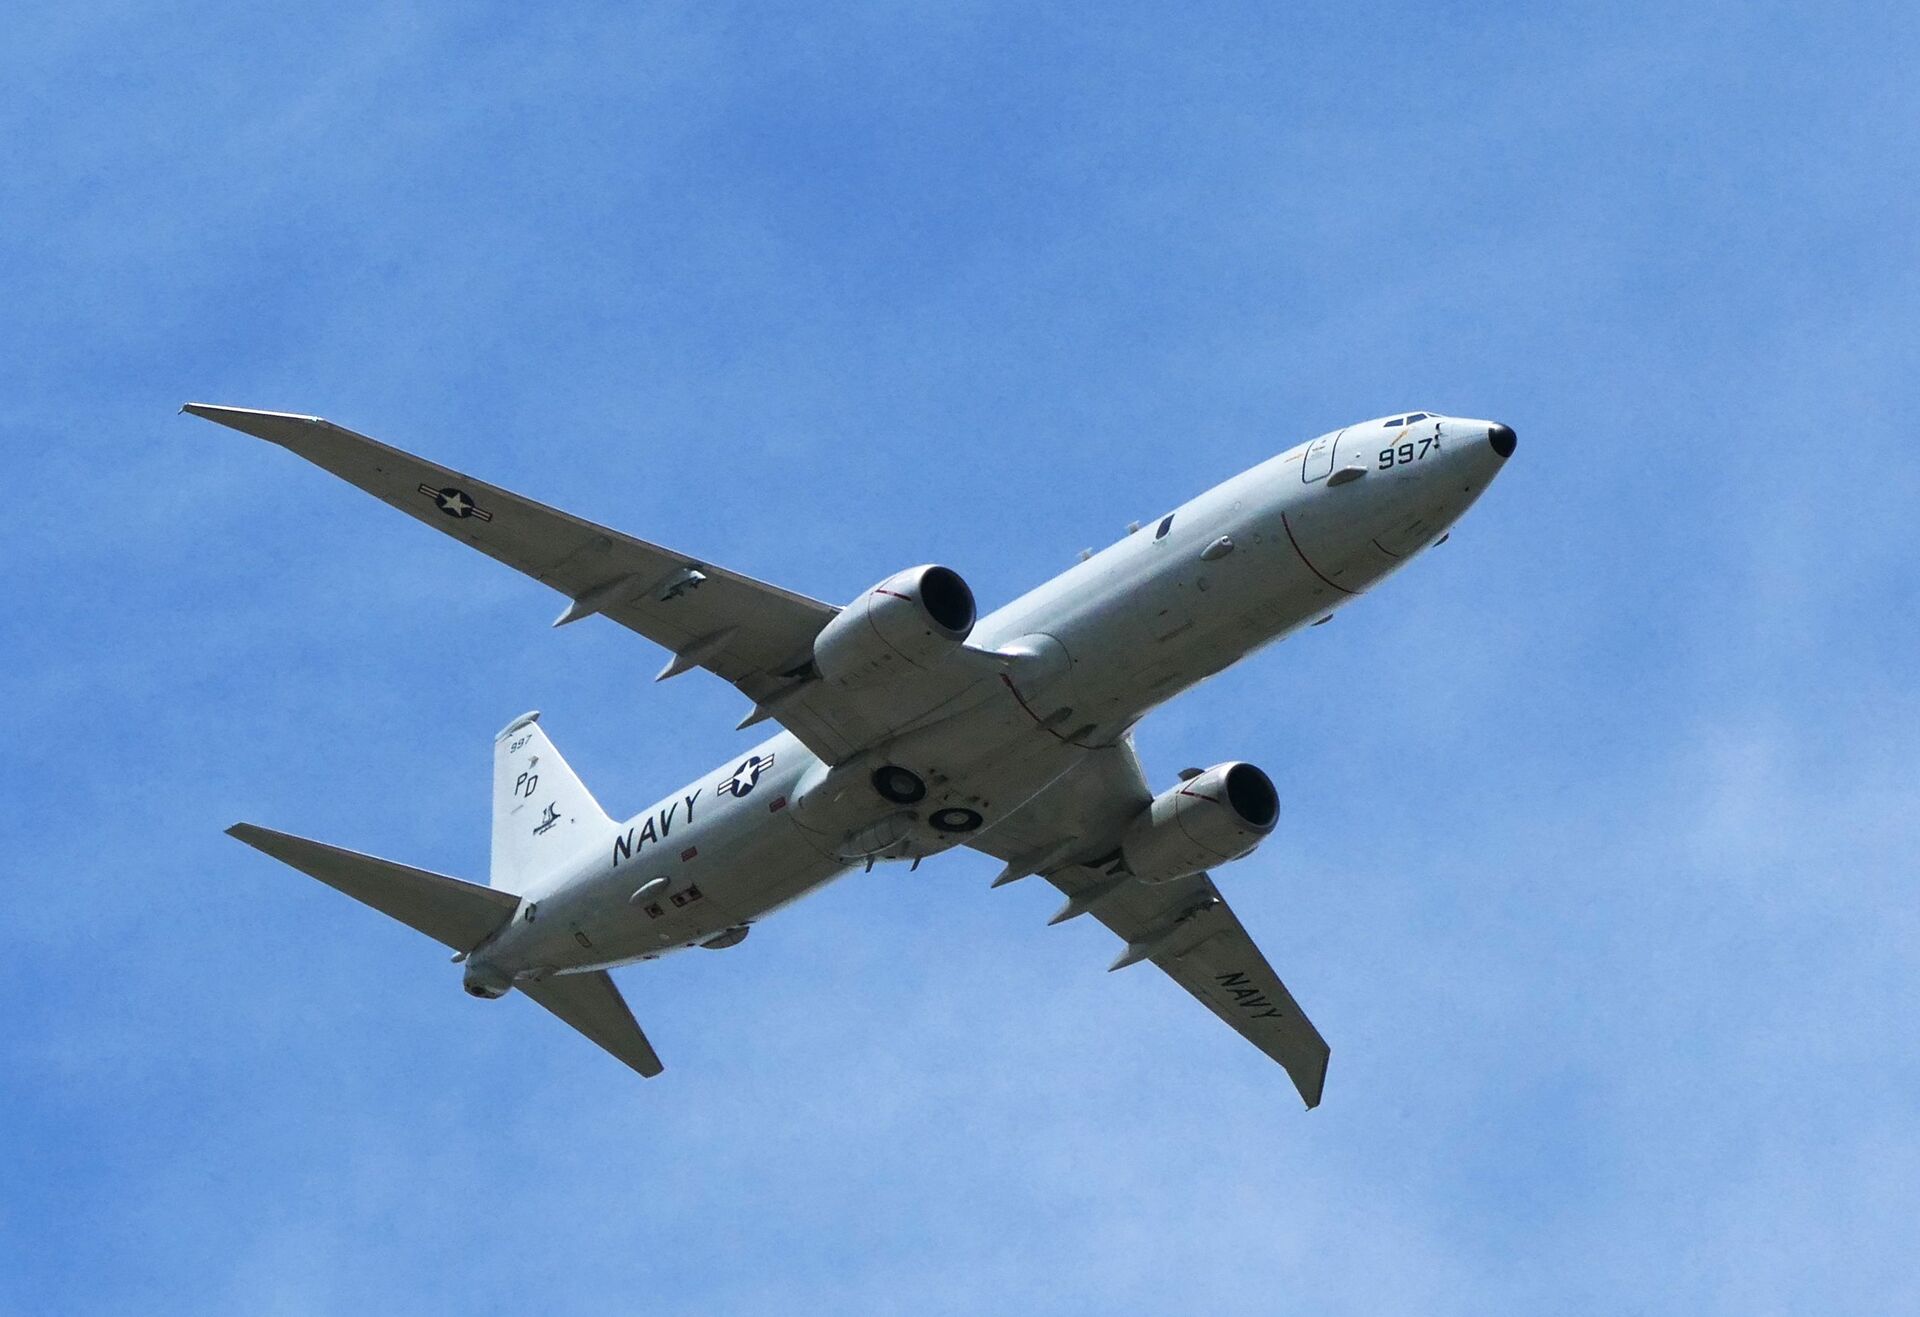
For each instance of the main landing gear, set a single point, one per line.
(903, 786)
(956, 819)
(900, 785)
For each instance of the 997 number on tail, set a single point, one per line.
(1411, 451)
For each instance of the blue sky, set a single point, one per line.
(1596, 868)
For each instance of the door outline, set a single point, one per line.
(1324, 445)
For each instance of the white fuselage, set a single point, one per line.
(1276, 548)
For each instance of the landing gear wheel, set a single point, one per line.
(900, 785)
(956, 820)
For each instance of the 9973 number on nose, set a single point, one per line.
(1411, 451)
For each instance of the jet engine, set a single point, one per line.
(1218, 815)
(907, 623)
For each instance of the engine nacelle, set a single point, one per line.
(1220, 815)
(905, 624)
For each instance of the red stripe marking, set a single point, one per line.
(1303, 558)
(777, 804)
(689, 852)
(895, 594)
(1021, 701)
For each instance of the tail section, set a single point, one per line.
(591, 1004)
(543, 814)
(463, 916)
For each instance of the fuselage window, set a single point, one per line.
(1166, 525)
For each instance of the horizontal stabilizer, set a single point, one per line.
(593, 1005)
(458, 913)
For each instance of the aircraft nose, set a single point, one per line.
(1503, 440)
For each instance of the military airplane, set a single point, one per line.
(910, 725)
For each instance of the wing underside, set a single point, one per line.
(1184, 927)
(755, 635)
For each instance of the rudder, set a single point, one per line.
(543, 814)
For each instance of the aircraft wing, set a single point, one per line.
(753, 634)
(1185, 927)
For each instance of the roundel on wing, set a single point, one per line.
(454, 502)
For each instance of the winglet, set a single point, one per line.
(249, 420)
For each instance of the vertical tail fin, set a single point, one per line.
(543, 814)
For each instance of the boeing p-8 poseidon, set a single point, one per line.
(911, 725)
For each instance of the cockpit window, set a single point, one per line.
(1395, 422)
(1417, 416)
